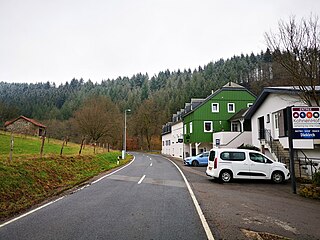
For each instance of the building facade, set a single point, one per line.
(213, 115)
(269, 121)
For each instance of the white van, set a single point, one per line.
(227, 164)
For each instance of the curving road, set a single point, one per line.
(146, 200)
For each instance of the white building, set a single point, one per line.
(177, 139)
(270, 125)
(172, 136)
(166, 139)
(172, 132)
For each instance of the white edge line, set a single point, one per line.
(140, 181)
(30, 212)
(49, 203)
(196, 204)
(98, 180)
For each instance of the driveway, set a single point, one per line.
(261, 206)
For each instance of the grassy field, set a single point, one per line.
(30, 146)
(29, 179)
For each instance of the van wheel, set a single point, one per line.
(225, 176)
(195, 163)
(277, 177)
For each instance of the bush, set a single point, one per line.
(310, 191)
(316, 179)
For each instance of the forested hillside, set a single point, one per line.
(152, 100)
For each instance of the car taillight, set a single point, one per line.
(215, 164)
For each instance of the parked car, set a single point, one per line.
(228, 164)
(200, 159)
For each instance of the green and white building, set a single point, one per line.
(214, 115)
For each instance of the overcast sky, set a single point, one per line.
(57, 40)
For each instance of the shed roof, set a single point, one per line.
(34, 122)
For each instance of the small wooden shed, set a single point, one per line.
(24, 125)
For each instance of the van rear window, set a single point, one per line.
(212, 155)
(233, 156)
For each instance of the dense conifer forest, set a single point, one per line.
(152, 99)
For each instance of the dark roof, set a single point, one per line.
(34, 122)
(239, 115)
(229, 86)
(290, 90)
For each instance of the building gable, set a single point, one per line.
(216, 110)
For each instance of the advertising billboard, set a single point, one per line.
(305, 122)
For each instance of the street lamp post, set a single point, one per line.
(125, 134)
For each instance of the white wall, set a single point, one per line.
(176, 147)
(232, 139)
(165, 147)
(273, 103)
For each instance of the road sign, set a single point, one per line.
(305, 122)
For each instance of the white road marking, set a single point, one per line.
(114, 171)
(196, 204)
(28, 213)
(150, 164)
(140, 181)
(49, 203)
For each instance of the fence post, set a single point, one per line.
(42, 144)
(11, 147)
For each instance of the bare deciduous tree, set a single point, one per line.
(98, 118)
(296, 47)
(147, 121)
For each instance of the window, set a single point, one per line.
(276, 121)
(231, 108)
(215, 107)
(207, 126)
(256, 157)
(206, 154)
(212, 155)
(185, 129)
(191, 127)
(268, 118)
(249, 104)
(233, 156)
(234, 127)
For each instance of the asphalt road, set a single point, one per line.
(259, 206)
(124, 205)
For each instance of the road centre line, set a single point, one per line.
(140, 181)
(49, 203)
(150, 164)
(196, 204)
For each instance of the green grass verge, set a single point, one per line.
(25, 182)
